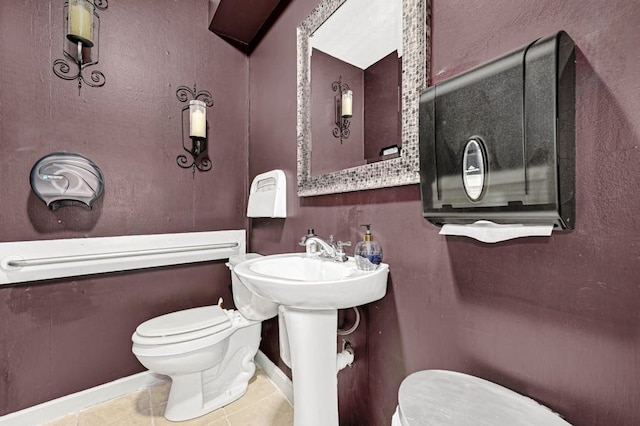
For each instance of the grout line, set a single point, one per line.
(151, 413)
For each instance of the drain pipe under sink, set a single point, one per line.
(344, 358)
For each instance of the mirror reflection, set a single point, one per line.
(356, 80)
(335, 169)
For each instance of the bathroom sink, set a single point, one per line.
(301, 281)
(310, 291)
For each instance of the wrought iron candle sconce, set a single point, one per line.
(343, 103)
(81, 41)
(197, 128)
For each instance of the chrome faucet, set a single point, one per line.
(323, 248)
(310, 233)
(326, 249)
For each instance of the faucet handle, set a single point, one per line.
(341, 256)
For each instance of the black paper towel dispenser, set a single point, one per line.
(497, 142)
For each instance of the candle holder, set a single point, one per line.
(81, 41)
(343, 104)
(197, 128)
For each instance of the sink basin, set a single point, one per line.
(297, 280)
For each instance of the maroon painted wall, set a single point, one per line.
(62, 336)
(382, 82)
(554, 318)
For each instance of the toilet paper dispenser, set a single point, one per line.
(497, 142)
(66, 179)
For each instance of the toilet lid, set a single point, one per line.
(186, 321)
(438, 397)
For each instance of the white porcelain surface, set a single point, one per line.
(296, 280)
(208, 352)
(209, 377)
(250, 305)
(310, 291)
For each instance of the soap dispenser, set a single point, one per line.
(368, 253)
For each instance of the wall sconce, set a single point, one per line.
(343, 101)
(197, 128)
(81, 41)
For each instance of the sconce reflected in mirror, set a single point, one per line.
(197, 148)
(344, 109)
(81, 41)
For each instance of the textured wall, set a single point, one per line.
(62, 336)
(382, 117)
(552, 318)
(332, 154)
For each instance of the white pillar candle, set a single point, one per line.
(197, 119)
(347, 103)
(80, 22)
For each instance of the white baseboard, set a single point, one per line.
(78, 401)
(60, 407)
(276, 375)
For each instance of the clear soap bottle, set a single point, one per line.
(368, 253)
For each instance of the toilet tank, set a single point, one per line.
(250, 305)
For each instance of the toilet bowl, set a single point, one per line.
(439, 397)
(208, 352)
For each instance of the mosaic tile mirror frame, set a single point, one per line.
(402, 170)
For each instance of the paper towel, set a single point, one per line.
(489, 232)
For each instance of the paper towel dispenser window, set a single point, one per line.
(497, 142)
(473, 161)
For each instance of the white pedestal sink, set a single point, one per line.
(312, 290)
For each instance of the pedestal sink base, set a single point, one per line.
(312, 339)
(310, 290)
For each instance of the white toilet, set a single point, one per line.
(439, 398)
(208, 352)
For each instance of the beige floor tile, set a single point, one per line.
(273, 410)
(70, 420)
(138, 419)
(219, 422)
(262, 405)
(133, 409)
(260, 386)
(208, 419)
(160, 393)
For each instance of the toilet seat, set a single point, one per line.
(182, 326)
(439, 397)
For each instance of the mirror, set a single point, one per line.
(356, 54)
(367, 157)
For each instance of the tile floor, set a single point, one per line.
(262, 405)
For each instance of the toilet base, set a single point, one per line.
(196, 394)
(188, 405)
